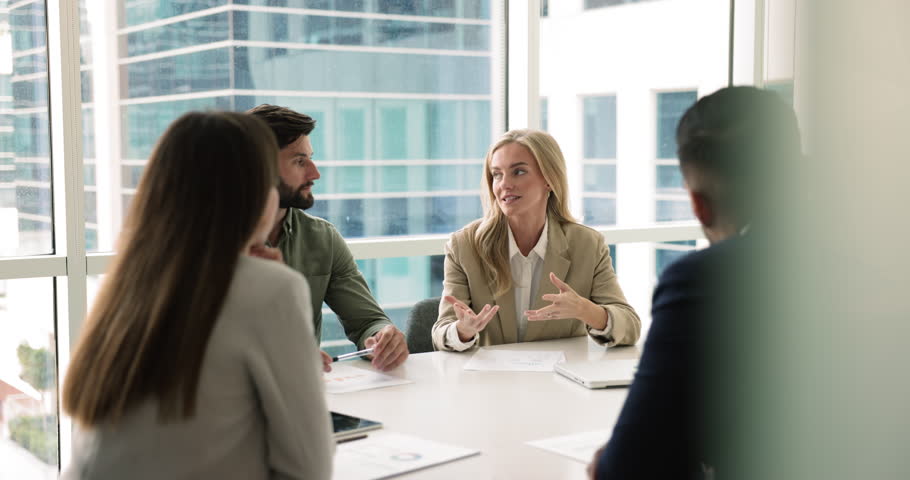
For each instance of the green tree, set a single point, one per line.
(37, 433)
(38, 366)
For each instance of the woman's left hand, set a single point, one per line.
(568, 304)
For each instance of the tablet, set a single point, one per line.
(600, 374)
(348, 427)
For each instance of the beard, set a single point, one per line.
(288, 197)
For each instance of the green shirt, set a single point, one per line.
(313, 247)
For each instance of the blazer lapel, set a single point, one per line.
(556, 261)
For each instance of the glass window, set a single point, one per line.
(600, 177)
(600, 211)
(395, 210)
(25, 166)
(672, 202)
(673, 210)
(607, 3)
(208, 29)
(670, 108)
(669, 252)
(615, 118)
(599, 163)
(397, 283)
(544, 114)
(600, 126)
(670, 179)
(386, 73)
(394, 179)
(394, 121)
(28, 380)
(411, 121)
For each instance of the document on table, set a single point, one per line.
(387, 454)
(577, 446)
(489, 359)
(348, 378)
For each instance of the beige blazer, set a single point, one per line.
(575, 253)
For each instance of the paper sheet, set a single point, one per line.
(386, 454)
(348, 378)
(487, 359)
(578, 446)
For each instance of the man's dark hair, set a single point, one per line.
(731, 143)
(287, 124)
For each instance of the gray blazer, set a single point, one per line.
(260, 406)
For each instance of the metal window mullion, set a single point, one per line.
(758, 71)
(499, 74)
(32, 267)
(416, 246)
(424, 245)
(66, 151)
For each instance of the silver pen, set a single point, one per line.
(359, 353)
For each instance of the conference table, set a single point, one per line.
(494, 412)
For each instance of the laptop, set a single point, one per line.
(349, 427)
(601, 374)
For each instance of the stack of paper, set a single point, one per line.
(578, 446)
(386, 454)
(348, 378)
(488, 359)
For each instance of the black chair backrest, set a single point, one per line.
(420, 324)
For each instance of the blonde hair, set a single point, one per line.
(491, 237)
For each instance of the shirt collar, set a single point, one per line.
(287, 225)
(540, 249)
(287, 228)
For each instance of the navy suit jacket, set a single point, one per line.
(661, 430)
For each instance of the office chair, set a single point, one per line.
(420, 322)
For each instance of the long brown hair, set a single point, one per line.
(202, 194)
(492, 236)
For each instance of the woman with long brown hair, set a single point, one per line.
(197, 359)
(527, 270)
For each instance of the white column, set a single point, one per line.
(102, 16)
(523, 58)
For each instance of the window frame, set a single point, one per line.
(70, 265)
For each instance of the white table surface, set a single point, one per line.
(494, 412)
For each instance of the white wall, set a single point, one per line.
(632, 51)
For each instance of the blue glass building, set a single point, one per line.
(401, 91)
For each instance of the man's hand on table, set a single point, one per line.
(390, 348)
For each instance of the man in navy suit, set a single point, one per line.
(680, 408)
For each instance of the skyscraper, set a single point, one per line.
(402, 93)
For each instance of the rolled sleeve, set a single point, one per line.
(453, 341)
(602, 335)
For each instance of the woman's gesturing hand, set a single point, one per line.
(568, 304)
(469, 323)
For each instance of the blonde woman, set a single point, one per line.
(197, 360)
(527, 270)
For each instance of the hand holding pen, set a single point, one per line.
(387, 347)
(327, 360)
(357, 354)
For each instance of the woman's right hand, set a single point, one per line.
(268, 253)
(469, 323)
